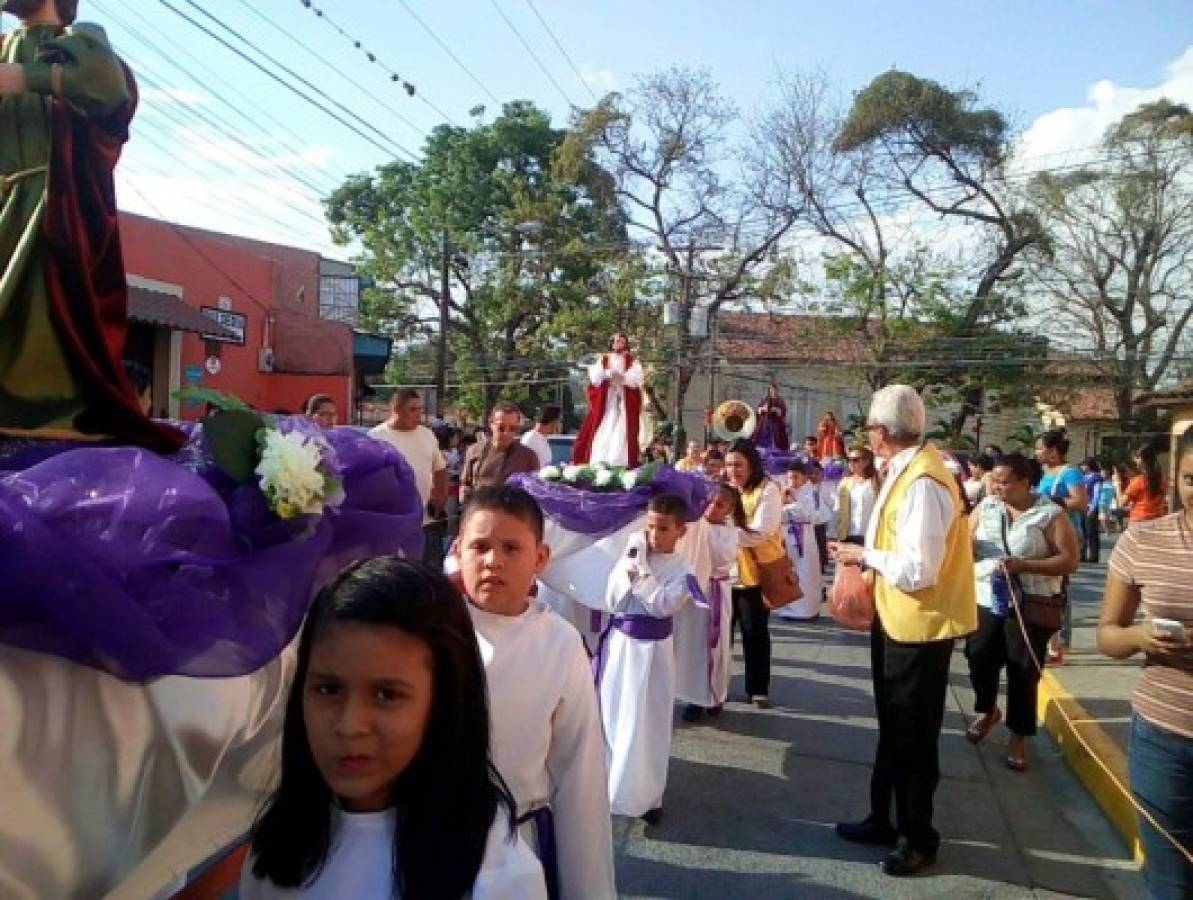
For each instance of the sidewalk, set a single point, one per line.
(1095, 692)
(753, 796)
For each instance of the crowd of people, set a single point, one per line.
(954, 548)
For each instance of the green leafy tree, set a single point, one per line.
(532, 250)
(940, 151)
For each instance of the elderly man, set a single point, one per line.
(918, 548)
(492, 461)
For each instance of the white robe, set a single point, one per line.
(702, 671)
(611, 443)
(637, 685)
(803, 514)
(546, 738)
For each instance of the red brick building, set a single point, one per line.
(237, 315)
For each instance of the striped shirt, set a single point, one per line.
(1157, 557)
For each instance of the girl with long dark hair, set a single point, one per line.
(1145, 492)
(386, 788)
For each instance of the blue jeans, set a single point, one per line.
(1161, 765)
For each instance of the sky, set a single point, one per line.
(218, 144)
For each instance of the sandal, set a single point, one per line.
(1017, 763)
(979, 728)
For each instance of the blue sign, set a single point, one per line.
(194, 375)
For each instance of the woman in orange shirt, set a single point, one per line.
(1145, 494)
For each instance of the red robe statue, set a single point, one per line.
(610, 430)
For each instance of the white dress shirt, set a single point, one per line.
(922, 527)
(539, 444)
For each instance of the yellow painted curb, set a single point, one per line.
(1065, 718)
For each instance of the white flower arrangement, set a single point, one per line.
(603, 477)
(571, 474)
(550, 473)
(629, 479)
(293, 476)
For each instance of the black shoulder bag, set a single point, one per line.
(1041, 610)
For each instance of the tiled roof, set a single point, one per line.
(157, 308)
(790, 338)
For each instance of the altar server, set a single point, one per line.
(801, 514)
(546, 731)
(703, 651)
(635, 662)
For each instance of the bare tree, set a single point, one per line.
(1117, 268)
(712, 215)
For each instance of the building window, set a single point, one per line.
(339, 298)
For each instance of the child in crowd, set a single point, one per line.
(801, 515)
(703, 652)
(546, 731)
(714, 464)
(387, 722)
(635, 663)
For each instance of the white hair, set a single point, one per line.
(899, 409)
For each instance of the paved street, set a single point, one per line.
(753, 796)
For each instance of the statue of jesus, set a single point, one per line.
(610, 430)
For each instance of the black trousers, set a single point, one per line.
(1091, 550)
(821, 532)
(910, 683)
(999, 643)
(753, 618)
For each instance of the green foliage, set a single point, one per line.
(195, 396)
(897, 105)
(231, 436)
(534, 238)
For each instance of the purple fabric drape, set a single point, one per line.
(145, 566)
(600, 513)
(776, 464)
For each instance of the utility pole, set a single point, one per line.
(712, 370)
(682, 338)
(444, 311)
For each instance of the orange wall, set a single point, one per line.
(207, 268)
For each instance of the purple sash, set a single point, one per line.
(640, 628)
(796, 530)
(543, 821)
(716, 600)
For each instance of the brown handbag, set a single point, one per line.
(777, 580)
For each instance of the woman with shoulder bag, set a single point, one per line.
(1024, 544)
(1063, 484)
(758, 545)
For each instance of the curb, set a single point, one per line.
(1066, 719)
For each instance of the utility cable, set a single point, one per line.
(448, 50)
(538, 62)
(563, 52)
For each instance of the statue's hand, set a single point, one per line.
(12, 79)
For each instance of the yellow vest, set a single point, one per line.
(947, 609)
(768, 551)
(844, 507)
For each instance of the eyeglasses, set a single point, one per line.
(855, 459)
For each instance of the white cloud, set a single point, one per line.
(600, 80)
(1069, 135)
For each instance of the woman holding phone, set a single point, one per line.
(1149, 570)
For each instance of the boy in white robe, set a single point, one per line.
(546, 733)
(801, 514)
(635, 663)
(703, 649)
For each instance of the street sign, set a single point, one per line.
(234, 322)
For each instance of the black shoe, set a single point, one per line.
(714, 711)
(904, 862)
(653, 816)
(867, 832)
(692, 713)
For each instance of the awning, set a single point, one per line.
(371, 352)
(157, 308)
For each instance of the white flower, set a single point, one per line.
(603, 478)
(550, 473)
(571, 474)
(290, 476)
(629, 479)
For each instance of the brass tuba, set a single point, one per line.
(734, 419)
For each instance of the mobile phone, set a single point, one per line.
(1174, 629)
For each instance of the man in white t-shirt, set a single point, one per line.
(550, 420)
(418, 444)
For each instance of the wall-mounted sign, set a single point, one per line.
(224, 303)
(234, 322)
(213, 365)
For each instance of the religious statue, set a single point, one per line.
(771, 433)
(66, 101)
(610, 430)
(829, 442)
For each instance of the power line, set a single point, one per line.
(530, 50)
(410, 89)
(562, 51)
(204, 82)
(448, 50)
(297, 77)
(287, 85)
